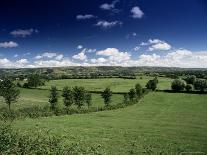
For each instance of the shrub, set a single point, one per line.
(178, 85)
(200, 84)
(189, 87)
(152, 84)
(88, 99)
(190, 79)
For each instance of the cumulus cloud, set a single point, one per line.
(106, 24)
(114, 56)
(137, 12)
(23, 33)
(83, 17)
(107, 6)
(9, 44)
(136, 48)
(157, 45)
(80, 56)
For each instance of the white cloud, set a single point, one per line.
(136, 48)
(137, 12)
(114, 56)
(46, 55)
(23, 33)
(157, 45)
(80, 56)
(9, 44)
(79, 47)
(59, 57)
(22, 61)
(106, 24)
(16, 55)
(87, 16)
(107, 6)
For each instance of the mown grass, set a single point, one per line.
(162, 123)
(116, 84)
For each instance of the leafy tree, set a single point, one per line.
(88, 99)
(138, 89)
(152, 84)
(189, 87)
(106, 95)
(79, 96)
(191, 79)
(67, 95)
(53, 98)
(35, 80)
(9, 92)
(200, 84)
(178, 85)
(132, 94)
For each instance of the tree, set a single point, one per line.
(53, 98)
(67, 95)
(126, 98)
(189, 87)
(191, 79)
(88, 99)
(138, 89)
(132, 94)
(152, 84)
(78, 96)
(178, 85)
(106, 95)
(35, 80)
(9, 92)
(200, 84)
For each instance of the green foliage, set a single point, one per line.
(9, 92)
(152, 84)
(126, 98)
(190, 79)
(132, 94)
(200, 84)
(53, 98)
(178, 85)
(35, 80)
(88, 99)
(106, 95)
(189, 87)
(79, 96)
(67, 95)
(138, 89)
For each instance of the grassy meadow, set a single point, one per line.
(116, 84)
(162, 123)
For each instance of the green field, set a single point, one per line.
(162, 123)
(116, 84)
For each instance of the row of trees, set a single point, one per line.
(189, 83)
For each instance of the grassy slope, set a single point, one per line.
(162, 122)
(34, 97)
(116, 84)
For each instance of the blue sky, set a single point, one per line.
(56, 33)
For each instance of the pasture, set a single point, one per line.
(116, 84)
(162, 123)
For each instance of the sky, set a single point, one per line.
(56, 33)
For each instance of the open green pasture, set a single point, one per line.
(116, 84)
(162, 123)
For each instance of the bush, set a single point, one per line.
(178, 85)
(200, 84)
(106, 95)
(189, 87)
(152, 84)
